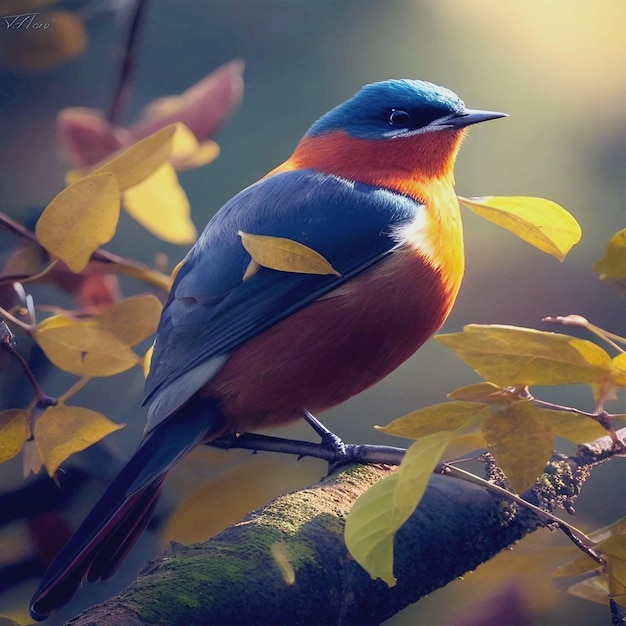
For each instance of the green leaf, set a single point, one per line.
(285, 255)
(513, 356)
(541, 223)
(414, 473)
(613, 263)
(64, 430)
(432, 419)
(378, 513)
(368, 534)
(80, 219)
(521, 441)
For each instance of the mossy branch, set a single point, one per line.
(287, 563)
(235, 579)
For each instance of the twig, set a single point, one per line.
(576, 536)
(129, 62)
(125, 266)
(590, 454)
(8, 345)
(5, 315)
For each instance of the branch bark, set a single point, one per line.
(287, 563)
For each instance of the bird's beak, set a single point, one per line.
(468, 117)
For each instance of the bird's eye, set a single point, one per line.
(399, 118)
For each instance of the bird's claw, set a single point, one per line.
(342, 454)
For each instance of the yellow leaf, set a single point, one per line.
(432, 419)
(131, 320)
(615, 545)
(161, 206)
(594, 589)
(479, 392)
(541, 223)
(618, 527)
(184, 143)
(64, 430)
(581, 564)
(614, 550)
(377, 514)
(521, 441)
(187, 153)
(80, 219)
(147, 361)
(206, 152)
(618, 366)
(13, 433)
(465, 443)
(82, 348)
(509, 355)
(134, 164)
(285, 255)
(613, 263)
(571, 426)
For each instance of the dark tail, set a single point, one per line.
(122, 513)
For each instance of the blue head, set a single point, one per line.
(399, 108)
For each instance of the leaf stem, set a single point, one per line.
(27, 278)
(27, 328)
(74, 389)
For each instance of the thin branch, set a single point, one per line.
(8, 345)
(16, 228)
(129, 62)
(125, 266)
(588, 455)
(28, 278)
(581, 540)
(354, 453)
(74, 389)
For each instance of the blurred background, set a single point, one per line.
(556, 66)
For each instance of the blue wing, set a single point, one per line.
(211, 310)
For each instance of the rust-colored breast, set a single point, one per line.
(354, 336)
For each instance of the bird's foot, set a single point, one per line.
(342, 453)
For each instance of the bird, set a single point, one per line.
(241, 346)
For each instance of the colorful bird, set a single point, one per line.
(370, 187)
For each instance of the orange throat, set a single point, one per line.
(420, 167)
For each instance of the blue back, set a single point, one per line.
(211, 310)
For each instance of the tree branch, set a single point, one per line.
(287, 562)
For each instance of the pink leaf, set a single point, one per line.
(202, 108)
(86, 138)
